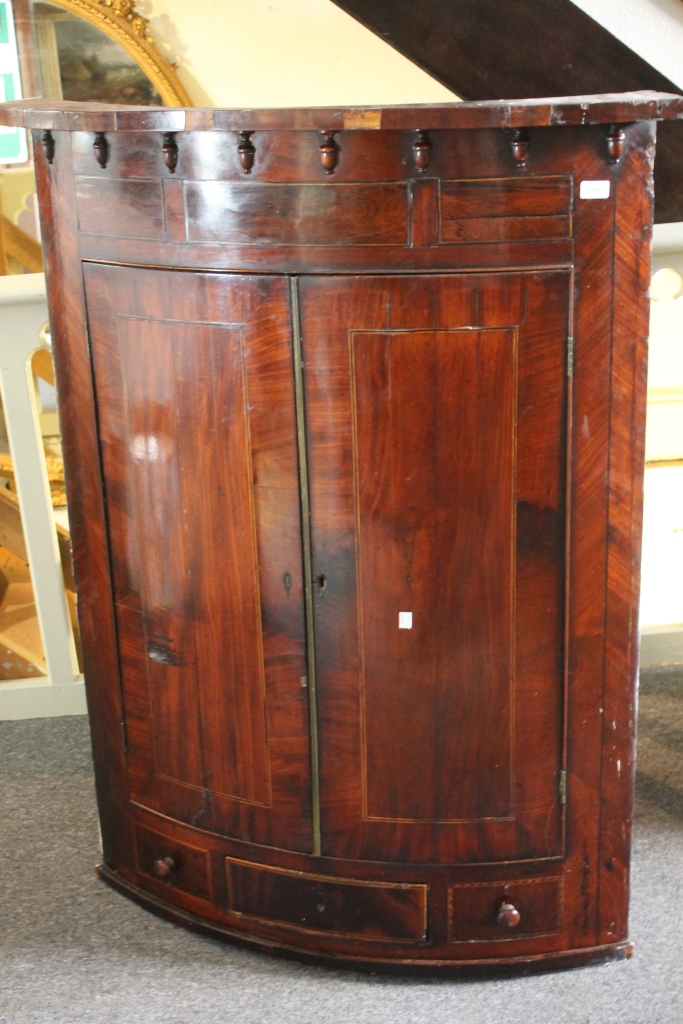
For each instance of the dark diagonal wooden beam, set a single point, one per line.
(491, 49)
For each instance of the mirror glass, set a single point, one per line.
(76, 61)
(62, 56)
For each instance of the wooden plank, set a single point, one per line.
(477, 229)
(20, 246)
(556, 106)
(21, 647)
(505, 197)
(589, 446)
(626, 467)
(484, 49)
(56, 195)
(297, 259)
(42, 365)
(11, 529)
(18, 662)
(12, 535)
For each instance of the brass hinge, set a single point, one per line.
(563, 787)
(570, 357)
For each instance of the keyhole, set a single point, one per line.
(321, 580)
(287, 581)
(319, 901)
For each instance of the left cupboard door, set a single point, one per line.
(194, 383)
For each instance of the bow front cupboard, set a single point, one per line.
(353, 406)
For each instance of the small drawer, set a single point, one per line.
(118, 208)
(505, 209)
(177, 865)
(281, 214)
(495, 911)
(385, 911)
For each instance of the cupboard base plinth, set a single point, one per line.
(457, 968)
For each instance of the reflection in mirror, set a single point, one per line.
(77, 61)
(80, 50)
(97, 50)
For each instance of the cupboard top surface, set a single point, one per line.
(543, 112)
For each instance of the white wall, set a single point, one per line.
(653, 28)
(240, 53)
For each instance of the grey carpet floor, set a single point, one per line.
(72, 950)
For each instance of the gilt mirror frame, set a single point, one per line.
(120, 20)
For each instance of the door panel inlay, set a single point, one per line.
(185, 604)
(437, 425)
(430, 406)
(198, 435)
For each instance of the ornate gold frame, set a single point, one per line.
(121, 22)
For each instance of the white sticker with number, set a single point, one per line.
(594, 190)
(405, 620)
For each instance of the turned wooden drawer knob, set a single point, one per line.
(164, 868)
(508, 916)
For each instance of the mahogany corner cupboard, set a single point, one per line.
(353, 413)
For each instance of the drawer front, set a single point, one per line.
(374, 910)
(283, 214)
(479, 912)
(119, 208)
(177, 865)
(505, 209)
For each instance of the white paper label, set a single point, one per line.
(594, 190)
(405, 620)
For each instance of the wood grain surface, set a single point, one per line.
(438, 489)
(198, 441)
(482, 49)
(432, 370)
(601, 107)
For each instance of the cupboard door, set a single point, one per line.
(193, 378)
(437, 413)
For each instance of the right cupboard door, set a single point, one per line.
(437, 417)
